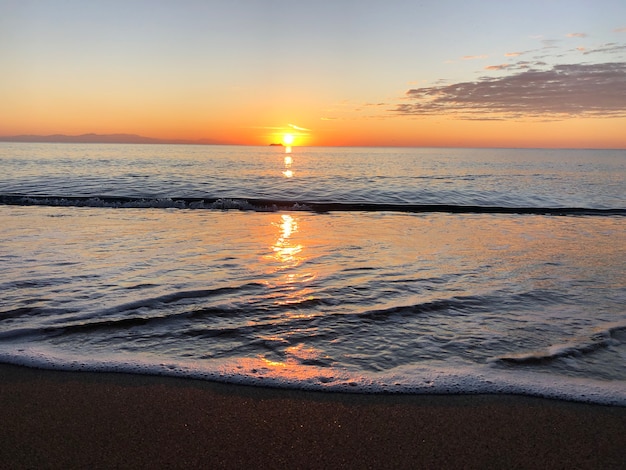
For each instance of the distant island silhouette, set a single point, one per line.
(104, 139)
(277, 145)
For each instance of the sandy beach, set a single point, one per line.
(56, 419)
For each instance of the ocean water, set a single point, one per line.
(346, 269)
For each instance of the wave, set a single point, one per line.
(272, 205)
(455, 304)
(603, 339)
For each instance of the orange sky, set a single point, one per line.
(393, 73)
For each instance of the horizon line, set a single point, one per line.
(136, 139)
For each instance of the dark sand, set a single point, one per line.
(81, 420)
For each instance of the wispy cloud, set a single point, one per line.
(549, 43)
(498, 67)
(560, 92)
(576, 35)
(298, 128)
(620, 30)
(513, 54)
(474, 57)
(608, 48)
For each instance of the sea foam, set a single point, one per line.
(414, 380)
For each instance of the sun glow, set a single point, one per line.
(288, 139)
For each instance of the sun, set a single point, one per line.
(288, 139)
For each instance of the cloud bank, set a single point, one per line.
(568, 90)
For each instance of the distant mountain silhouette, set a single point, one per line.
(103, 139)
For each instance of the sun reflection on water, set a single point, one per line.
(288, 256)
(287, 253)
(289, 277)
(312, 367)
(288, 172)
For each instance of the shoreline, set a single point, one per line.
(59, 419)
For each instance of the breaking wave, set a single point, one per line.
(272, 205)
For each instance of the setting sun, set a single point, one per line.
(348, 87)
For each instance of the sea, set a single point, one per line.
(353, 270)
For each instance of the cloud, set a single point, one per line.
(609, 48)
(474, 57)
(298, 128)
(576, 35)
(549, 43)
(620, 30)
(498, 67)
(588, 90)
(513, 54)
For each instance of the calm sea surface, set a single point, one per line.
(348, 269)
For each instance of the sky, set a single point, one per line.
(547, 73)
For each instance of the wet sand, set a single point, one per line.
(77, 420)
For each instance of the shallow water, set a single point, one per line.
(351, 300)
